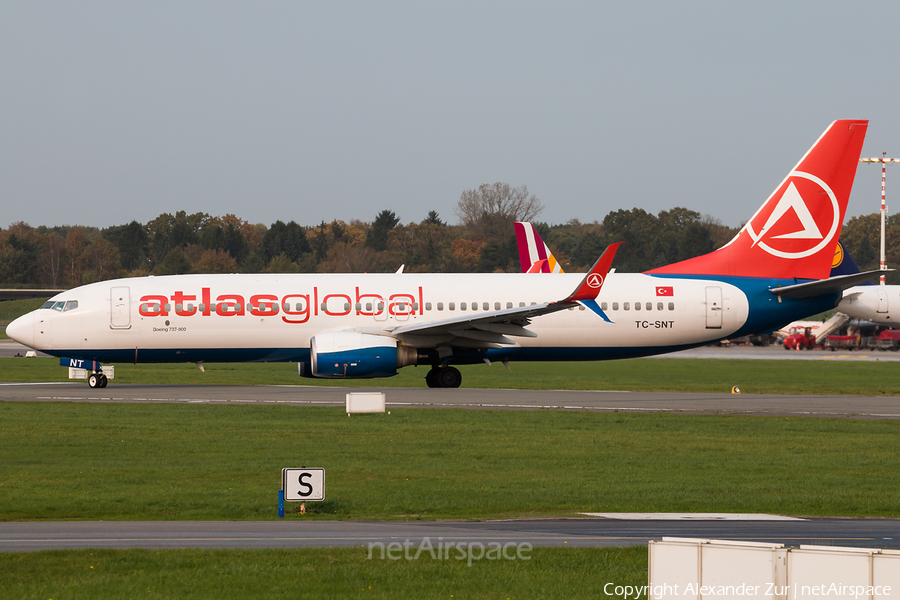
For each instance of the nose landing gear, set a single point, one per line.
(97, 380)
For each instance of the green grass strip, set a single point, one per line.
(319, 573)
(648, 374)
(147, 461)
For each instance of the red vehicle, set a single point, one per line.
(889, 339)
(843, 342)
(800, 339)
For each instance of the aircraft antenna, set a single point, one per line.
(884, 160)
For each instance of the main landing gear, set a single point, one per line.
(443, 377)
(97, 380)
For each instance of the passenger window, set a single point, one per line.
(626, 306)
(451, 306)
(440, 306)
(474, 306)
(637, 306)
(70, 305)
(603, 306)
(496, 306)
(615, 306)
(462, 306)
(671, 306)
(649, 306)
(659, 306)
(368, 307)
(487, 306)
(428, 306)
(521, 304)
(509, 305)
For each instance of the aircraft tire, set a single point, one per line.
(93, 381)
(449, 377)
(103, 380)
(432, 377)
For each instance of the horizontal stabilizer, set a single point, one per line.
(824, 287)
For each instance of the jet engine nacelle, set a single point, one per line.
(349, 354)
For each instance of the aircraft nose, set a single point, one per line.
(22, 330)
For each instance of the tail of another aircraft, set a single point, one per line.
(794, 233)
(534, 255)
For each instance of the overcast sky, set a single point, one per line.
(309, 111)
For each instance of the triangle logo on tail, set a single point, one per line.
(792, 200)
(794, 206)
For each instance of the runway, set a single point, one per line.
(293, 533)
(858, 407)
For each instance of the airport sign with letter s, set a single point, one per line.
(303, 485)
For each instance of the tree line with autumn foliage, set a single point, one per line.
(482, 241)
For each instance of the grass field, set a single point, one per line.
(128, 462)
(340, 573)
(647, 374)
(147, 461)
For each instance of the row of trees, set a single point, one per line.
(484, 241)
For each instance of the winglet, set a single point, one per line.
(593, 281)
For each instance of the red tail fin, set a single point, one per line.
(794, 233)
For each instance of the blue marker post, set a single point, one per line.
(280, 504)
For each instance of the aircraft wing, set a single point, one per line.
(490, 329)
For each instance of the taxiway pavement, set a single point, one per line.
(867, 407)
(293, 533)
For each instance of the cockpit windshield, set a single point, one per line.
(61, 306)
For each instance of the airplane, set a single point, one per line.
(869, 302)
(339, 326)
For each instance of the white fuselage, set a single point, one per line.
(876, 303)
(278, 314)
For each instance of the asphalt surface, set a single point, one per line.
(293, 533)
(860, 407)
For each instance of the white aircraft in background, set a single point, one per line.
(867, 302)
(773, 272)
